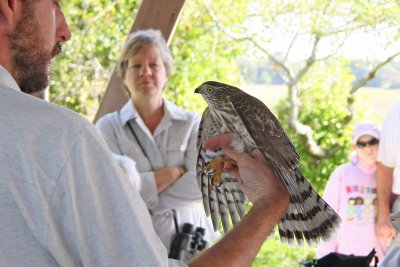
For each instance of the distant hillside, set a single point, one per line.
(261, 71)
(378, 100)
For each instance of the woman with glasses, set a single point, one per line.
(351, 192)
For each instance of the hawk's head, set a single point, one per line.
(215, 92)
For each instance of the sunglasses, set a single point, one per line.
(371, 142)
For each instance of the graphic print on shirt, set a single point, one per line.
(361, 202)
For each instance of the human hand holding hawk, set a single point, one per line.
(252, 167)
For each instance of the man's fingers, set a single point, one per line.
(234, 155)
(234, 172)
(224, 141)
(217, 142)
(258, 155)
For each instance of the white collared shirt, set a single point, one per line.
(172, 144)
(7, 80)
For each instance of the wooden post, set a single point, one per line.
(156, 14)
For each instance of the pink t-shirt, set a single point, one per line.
(351, 192)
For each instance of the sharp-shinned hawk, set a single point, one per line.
(308, 216)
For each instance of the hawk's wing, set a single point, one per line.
(226, 200)
(266, 131)
(308, 216)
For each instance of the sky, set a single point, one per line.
(357, 46)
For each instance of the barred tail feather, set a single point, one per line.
(205, 184)
(308, 216)
(233, 212)
(234, 188)
(230, 187)
(223, 209)
(225, 202)
(214, 209)
(204, 178)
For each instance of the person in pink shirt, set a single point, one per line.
(351, 192)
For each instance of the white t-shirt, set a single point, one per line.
(389, 147)
(64, 201)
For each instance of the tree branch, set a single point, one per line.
(292, 77)
(362, 82)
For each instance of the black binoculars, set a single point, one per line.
(188, 243)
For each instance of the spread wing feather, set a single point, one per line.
(207, 129)
(265, 128)
(308, 217)
(225, 202)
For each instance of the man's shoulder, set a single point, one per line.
(108, 118)
(28, 113)
(43, 133)
(59, 116)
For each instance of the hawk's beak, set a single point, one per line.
(198, 89)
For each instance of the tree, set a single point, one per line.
(99, 28)
(81, 72)
(201, 52)
(306, 41)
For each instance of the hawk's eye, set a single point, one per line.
(209, 90)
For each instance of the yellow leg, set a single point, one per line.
(216, 165)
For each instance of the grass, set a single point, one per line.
(275, 254)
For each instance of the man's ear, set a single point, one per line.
(7, 11)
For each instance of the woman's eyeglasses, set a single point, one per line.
(371, 142)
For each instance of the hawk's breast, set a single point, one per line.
(232, 123)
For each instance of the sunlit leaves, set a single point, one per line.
(81, 73)
(201, 53)
(99, 27)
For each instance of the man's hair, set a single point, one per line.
(140, 39)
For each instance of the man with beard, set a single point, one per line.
(64, 201)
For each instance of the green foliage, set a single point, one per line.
(99, 28)
(275, 254)
(201, 53)
(81, 72)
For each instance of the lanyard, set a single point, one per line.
(145, 154)
(140, 144)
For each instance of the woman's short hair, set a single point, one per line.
(138, 40)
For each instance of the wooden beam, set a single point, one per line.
(156, 14)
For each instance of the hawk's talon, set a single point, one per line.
(216, 185)
(216, 166)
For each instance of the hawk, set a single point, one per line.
(308, 216)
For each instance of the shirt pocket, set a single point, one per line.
(176, 153)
